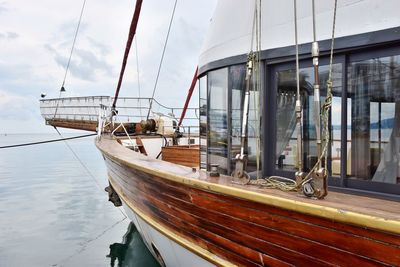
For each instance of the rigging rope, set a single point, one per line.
(46, 141)
(73, 43)
(132, 32)
(62, 89)
(298, 100)
(79, 160)
(162, 58)
(286, 184)
(84, 166)
(257, 83)
(326, 106)
(138, 76)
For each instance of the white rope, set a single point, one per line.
(70, 57)
(162, 58)
(286, 184)
(138, 75)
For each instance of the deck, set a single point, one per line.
(252, 226)
(364, 211)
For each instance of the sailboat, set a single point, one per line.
(296, 99)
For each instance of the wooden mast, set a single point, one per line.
(132, 32)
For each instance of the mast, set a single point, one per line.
(132, 32)
(189, 96)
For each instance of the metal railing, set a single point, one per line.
(130, 109)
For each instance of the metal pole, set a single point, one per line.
(317, 101)
(298, 107)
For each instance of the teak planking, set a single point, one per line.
(248, 236)
(245, 232)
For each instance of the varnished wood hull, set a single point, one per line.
(248, 233)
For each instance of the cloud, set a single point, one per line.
(14, 106)
(103, 49)
(36, 43)
(3, 7)
(85, 64)
(14, 72)
(8, 35)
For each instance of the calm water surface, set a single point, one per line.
(54, 213)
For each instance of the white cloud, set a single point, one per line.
(36, 42)
(9, 35)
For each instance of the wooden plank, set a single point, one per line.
(73, 124)
(363, 211)
(183, 155)
(170, 222)
(161, 188)
(260, 238)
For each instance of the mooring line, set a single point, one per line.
(46, 141)
(87, 242)
(86, 168)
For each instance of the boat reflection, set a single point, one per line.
(131, 251)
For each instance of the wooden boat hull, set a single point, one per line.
(225, 229)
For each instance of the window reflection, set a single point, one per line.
(374, 94)
(238, 83)
(286, 132)
(203, 121)
(217, 118)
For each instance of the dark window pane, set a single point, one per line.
(217, 120)
(286, 132)
(238, 84)
(374, 94)
(203, 121)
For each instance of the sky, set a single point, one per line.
(36, 38)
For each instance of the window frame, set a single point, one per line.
(342, 183)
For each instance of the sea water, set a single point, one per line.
(54, 210)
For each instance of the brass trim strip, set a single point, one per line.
(339, 215)
(205, 254)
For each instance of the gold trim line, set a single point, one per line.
(205, 254)
(339, 215)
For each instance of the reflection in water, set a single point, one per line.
(132, 251)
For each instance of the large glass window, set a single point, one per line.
(374, 119)
(218, 118)
(203, 121)
(238, 85)
(221, 109)
(286, 157)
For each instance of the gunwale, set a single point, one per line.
(203, 253)
(382, 215)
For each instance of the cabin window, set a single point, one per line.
(218, 118)
(203, 121)
(286, 157)
(373, 99)
(364, 121)
(221, 98)
(237, 79)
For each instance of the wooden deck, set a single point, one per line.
(251, 226)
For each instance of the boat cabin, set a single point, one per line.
(364, 122)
